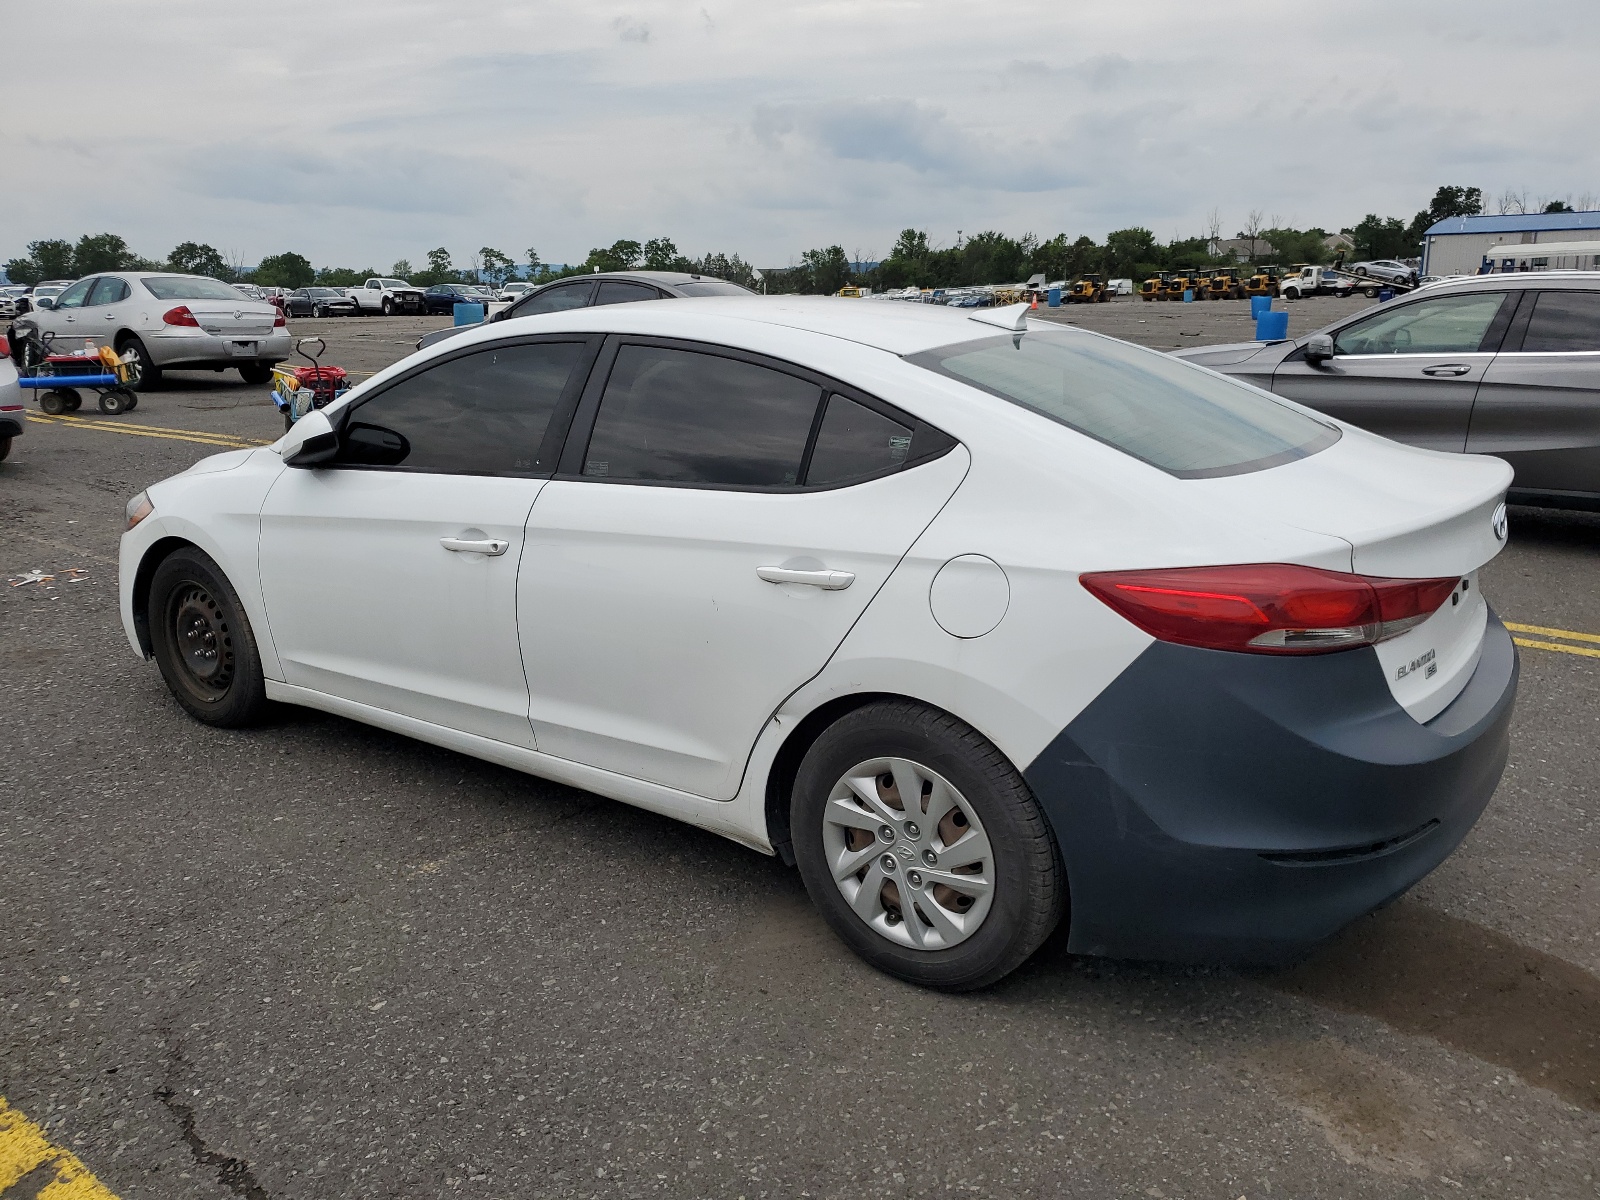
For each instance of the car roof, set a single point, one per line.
(898, 328)
(1518, 279)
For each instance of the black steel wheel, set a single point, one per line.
(924, 848)
(255, 373)
(203, 642)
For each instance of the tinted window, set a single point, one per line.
(109, 291)
(1186, 421)
(188, 287)
(712, 287)
(855, 442)
(618, 291)
(75, 295)
(556, 299)
(484, 413)
(1564, 321)
(698, 418)
(1446, 325)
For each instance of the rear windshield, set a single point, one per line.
(394, 283)
(188, 287)
(1180, 418)
(712, 287)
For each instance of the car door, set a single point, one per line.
(106, 310)
(390, 575)
(66, 319)
(1539, 405)
(702, 553)
(1406, 371)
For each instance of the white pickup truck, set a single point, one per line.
(387, 296)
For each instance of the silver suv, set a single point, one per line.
(1507, 365)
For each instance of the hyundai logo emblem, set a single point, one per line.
(1498, 523)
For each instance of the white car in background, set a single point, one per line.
(514, 291)
(964, 615)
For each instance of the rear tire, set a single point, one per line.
(203, 642)
(255, 373)
(5, 448)
(1025, 884)
(146, 376)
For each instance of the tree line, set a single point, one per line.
(986, 257)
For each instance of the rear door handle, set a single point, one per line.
(493, 547)
(1447, 370)
(828, 581)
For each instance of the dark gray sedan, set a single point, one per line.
(614, 287)
(1507, 365)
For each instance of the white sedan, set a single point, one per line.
(987, 624)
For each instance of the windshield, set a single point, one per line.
(393, 283)
(1180, 418)
(712, 287)
(188, 287)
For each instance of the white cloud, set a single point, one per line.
(369, 130)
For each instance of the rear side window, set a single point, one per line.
(620, 291)
(556, 299)
(684, 417)
(1564, 321)
(481, 414)
(856, 442)
(1446, 325)
(1182, 419)
(109, 291)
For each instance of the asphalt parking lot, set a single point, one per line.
(319, 960)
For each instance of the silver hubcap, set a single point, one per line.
(908, 854)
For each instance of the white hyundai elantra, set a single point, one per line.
(985, 624)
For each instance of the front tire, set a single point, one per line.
(388, 307)
(146, 376)
(203, 642)
(971, 849)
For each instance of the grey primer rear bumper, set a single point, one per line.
(1222, 807)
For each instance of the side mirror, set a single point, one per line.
(44, 302)
(310, 442)
(1319, 349)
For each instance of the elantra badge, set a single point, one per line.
(1498, 523)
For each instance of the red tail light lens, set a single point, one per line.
(278, 319)
(1269, 608)
(180, 316)
(5, 347)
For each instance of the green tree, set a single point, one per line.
(47, 259)
(342, 277)
(197, 258)
(497, 267)
(1447, 202)
(1384, 237)
(660, 254)
(97, 252)
(1559, 206)
(1126, 249)
(620, 256)
(824, 272)
(401, 269)
(287, 270)
(720, 266)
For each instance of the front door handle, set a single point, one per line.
(493, 547)
(1447, 370)
(111, 316)
(828, 581)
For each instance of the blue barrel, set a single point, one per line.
(1259, 305)
(1272, 326)
(469, 314)
(1188, 295)
(1385, 294)
(1054, 300)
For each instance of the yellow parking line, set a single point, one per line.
(1556, 646)
(224, 440)
(1567, 634)
(24, 1149)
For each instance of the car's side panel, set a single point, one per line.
(1541, 413)
(228, 489)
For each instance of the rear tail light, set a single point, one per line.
(279, 320)
(180, 316)
(1269, 608)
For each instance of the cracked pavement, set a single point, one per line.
(316, 959)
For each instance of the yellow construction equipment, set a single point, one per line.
(1090, 289)
(1156, 287)
(1263, 281)
(1224, 284)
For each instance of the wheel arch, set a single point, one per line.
(157, 553)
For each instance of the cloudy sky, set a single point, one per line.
(358, 132)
